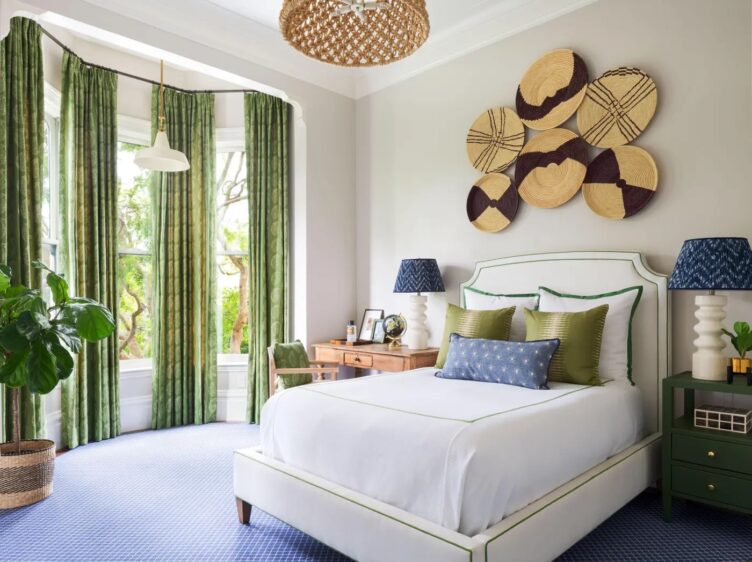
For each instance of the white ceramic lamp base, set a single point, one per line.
(417, 333)
(709, 362)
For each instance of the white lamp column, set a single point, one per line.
(417, 332)
(709, 361)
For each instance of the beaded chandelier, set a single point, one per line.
(355, 32)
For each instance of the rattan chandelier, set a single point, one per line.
(355, 32)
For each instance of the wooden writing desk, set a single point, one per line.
(376, 356)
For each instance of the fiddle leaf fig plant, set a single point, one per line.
(38, 340)
(741, 339)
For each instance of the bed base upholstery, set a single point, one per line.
(369, 530)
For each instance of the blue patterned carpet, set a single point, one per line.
(167, 495)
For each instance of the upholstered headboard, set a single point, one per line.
(586, 273)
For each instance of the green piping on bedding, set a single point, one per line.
(578, 389)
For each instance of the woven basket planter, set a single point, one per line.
(26, 478)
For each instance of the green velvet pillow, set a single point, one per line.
(485, 324)
(580, 334)
(291, 356)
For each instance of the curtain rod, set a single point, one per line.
(141, 78)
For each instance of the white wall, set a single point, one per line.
(413, 175)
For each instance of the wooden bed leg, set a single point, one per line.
(244, 511)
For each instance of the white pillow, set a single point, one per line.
(480, 300)
(616, 345)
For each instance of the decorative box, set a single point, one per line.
(735, 420)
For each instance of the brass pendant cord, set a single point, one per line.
(141, 78)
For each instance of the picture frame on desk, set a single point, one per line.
(379, 336)
(370, 315)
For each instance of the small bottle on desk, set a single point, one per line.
(352, 332)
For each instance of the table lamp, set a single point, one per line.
(712, 264)
(418, 276)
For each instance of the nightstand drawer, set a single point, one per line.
(722, 488)
(359, 360)
(709, 452)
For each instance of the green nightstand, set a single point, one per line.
(704, 465)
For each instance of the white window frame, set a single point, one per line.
(230, 140)
(53, 162)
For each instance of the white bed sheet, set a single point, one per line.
(462, 454)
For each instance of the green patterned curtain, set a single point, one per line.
(88, 201)
(267, 147)
(21, 160)
(184, 384)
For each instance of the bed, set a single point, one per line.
(412, 467)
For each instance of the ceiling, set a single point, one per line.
(248, 29)
(444, 14)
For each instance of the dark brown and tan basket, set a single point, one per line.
(26, 478)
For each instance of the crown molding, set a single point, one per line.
(257, 43)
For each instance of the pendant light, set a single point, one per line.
(160, 157)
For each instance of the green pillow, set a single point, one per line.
(580, 334)
(486, 324)
(291, 356)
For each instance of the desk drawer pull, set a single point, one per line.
(711, 454)
(711, 487)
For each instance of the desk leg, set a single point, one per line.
(668, 417)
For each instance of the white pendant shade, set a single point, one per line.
(162, 158)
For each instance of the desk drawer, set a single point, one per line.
(390, 364)
(716, 454)
(722, 488)
(358, 360)
(328, 354)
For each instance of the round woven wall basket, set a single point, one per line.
(551, 167)
(26, 478)
(552, 89)
(495, 139)
(492, 203)
(617, 107)
(620, 182)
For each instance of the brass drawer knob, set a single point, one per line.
(711, 454)
(711, 487)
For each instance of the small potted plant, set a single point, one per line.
(741, 339)
(37, 344)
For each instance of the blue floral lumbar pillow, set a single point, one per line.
(507, 362)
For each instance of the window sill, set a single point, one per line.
(223, 360)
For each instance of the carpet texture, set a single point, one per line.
(167, 495)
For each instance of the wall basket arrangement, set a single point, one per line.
(612, 111)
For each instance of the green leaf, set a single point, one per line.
(4, 277)
(92, 320)
(63, 360)
(68, 335)
(41, 369)
(31, 324)
(40, 265)
(13, 372)
(12, 341)
(726, 332)
(741, 328)
(59, 288)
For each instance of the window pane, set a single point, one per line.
(49, 258)
(134, 204)
(233, 304)
(134, 321)
(232, 202)
(46, 183)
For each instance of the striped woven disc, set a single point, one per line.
(552, 89)
(617, 107)
(551, 167)
(620, 182)
(495, 139)
(492, 203)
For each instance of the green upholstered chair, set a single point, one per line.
(289, 366)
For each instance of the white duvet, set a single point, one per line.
(463, 454)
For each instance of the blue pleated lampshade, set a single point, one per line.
(723, 264)
(419, 276)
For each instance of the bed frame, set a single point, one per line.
(367, 529)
